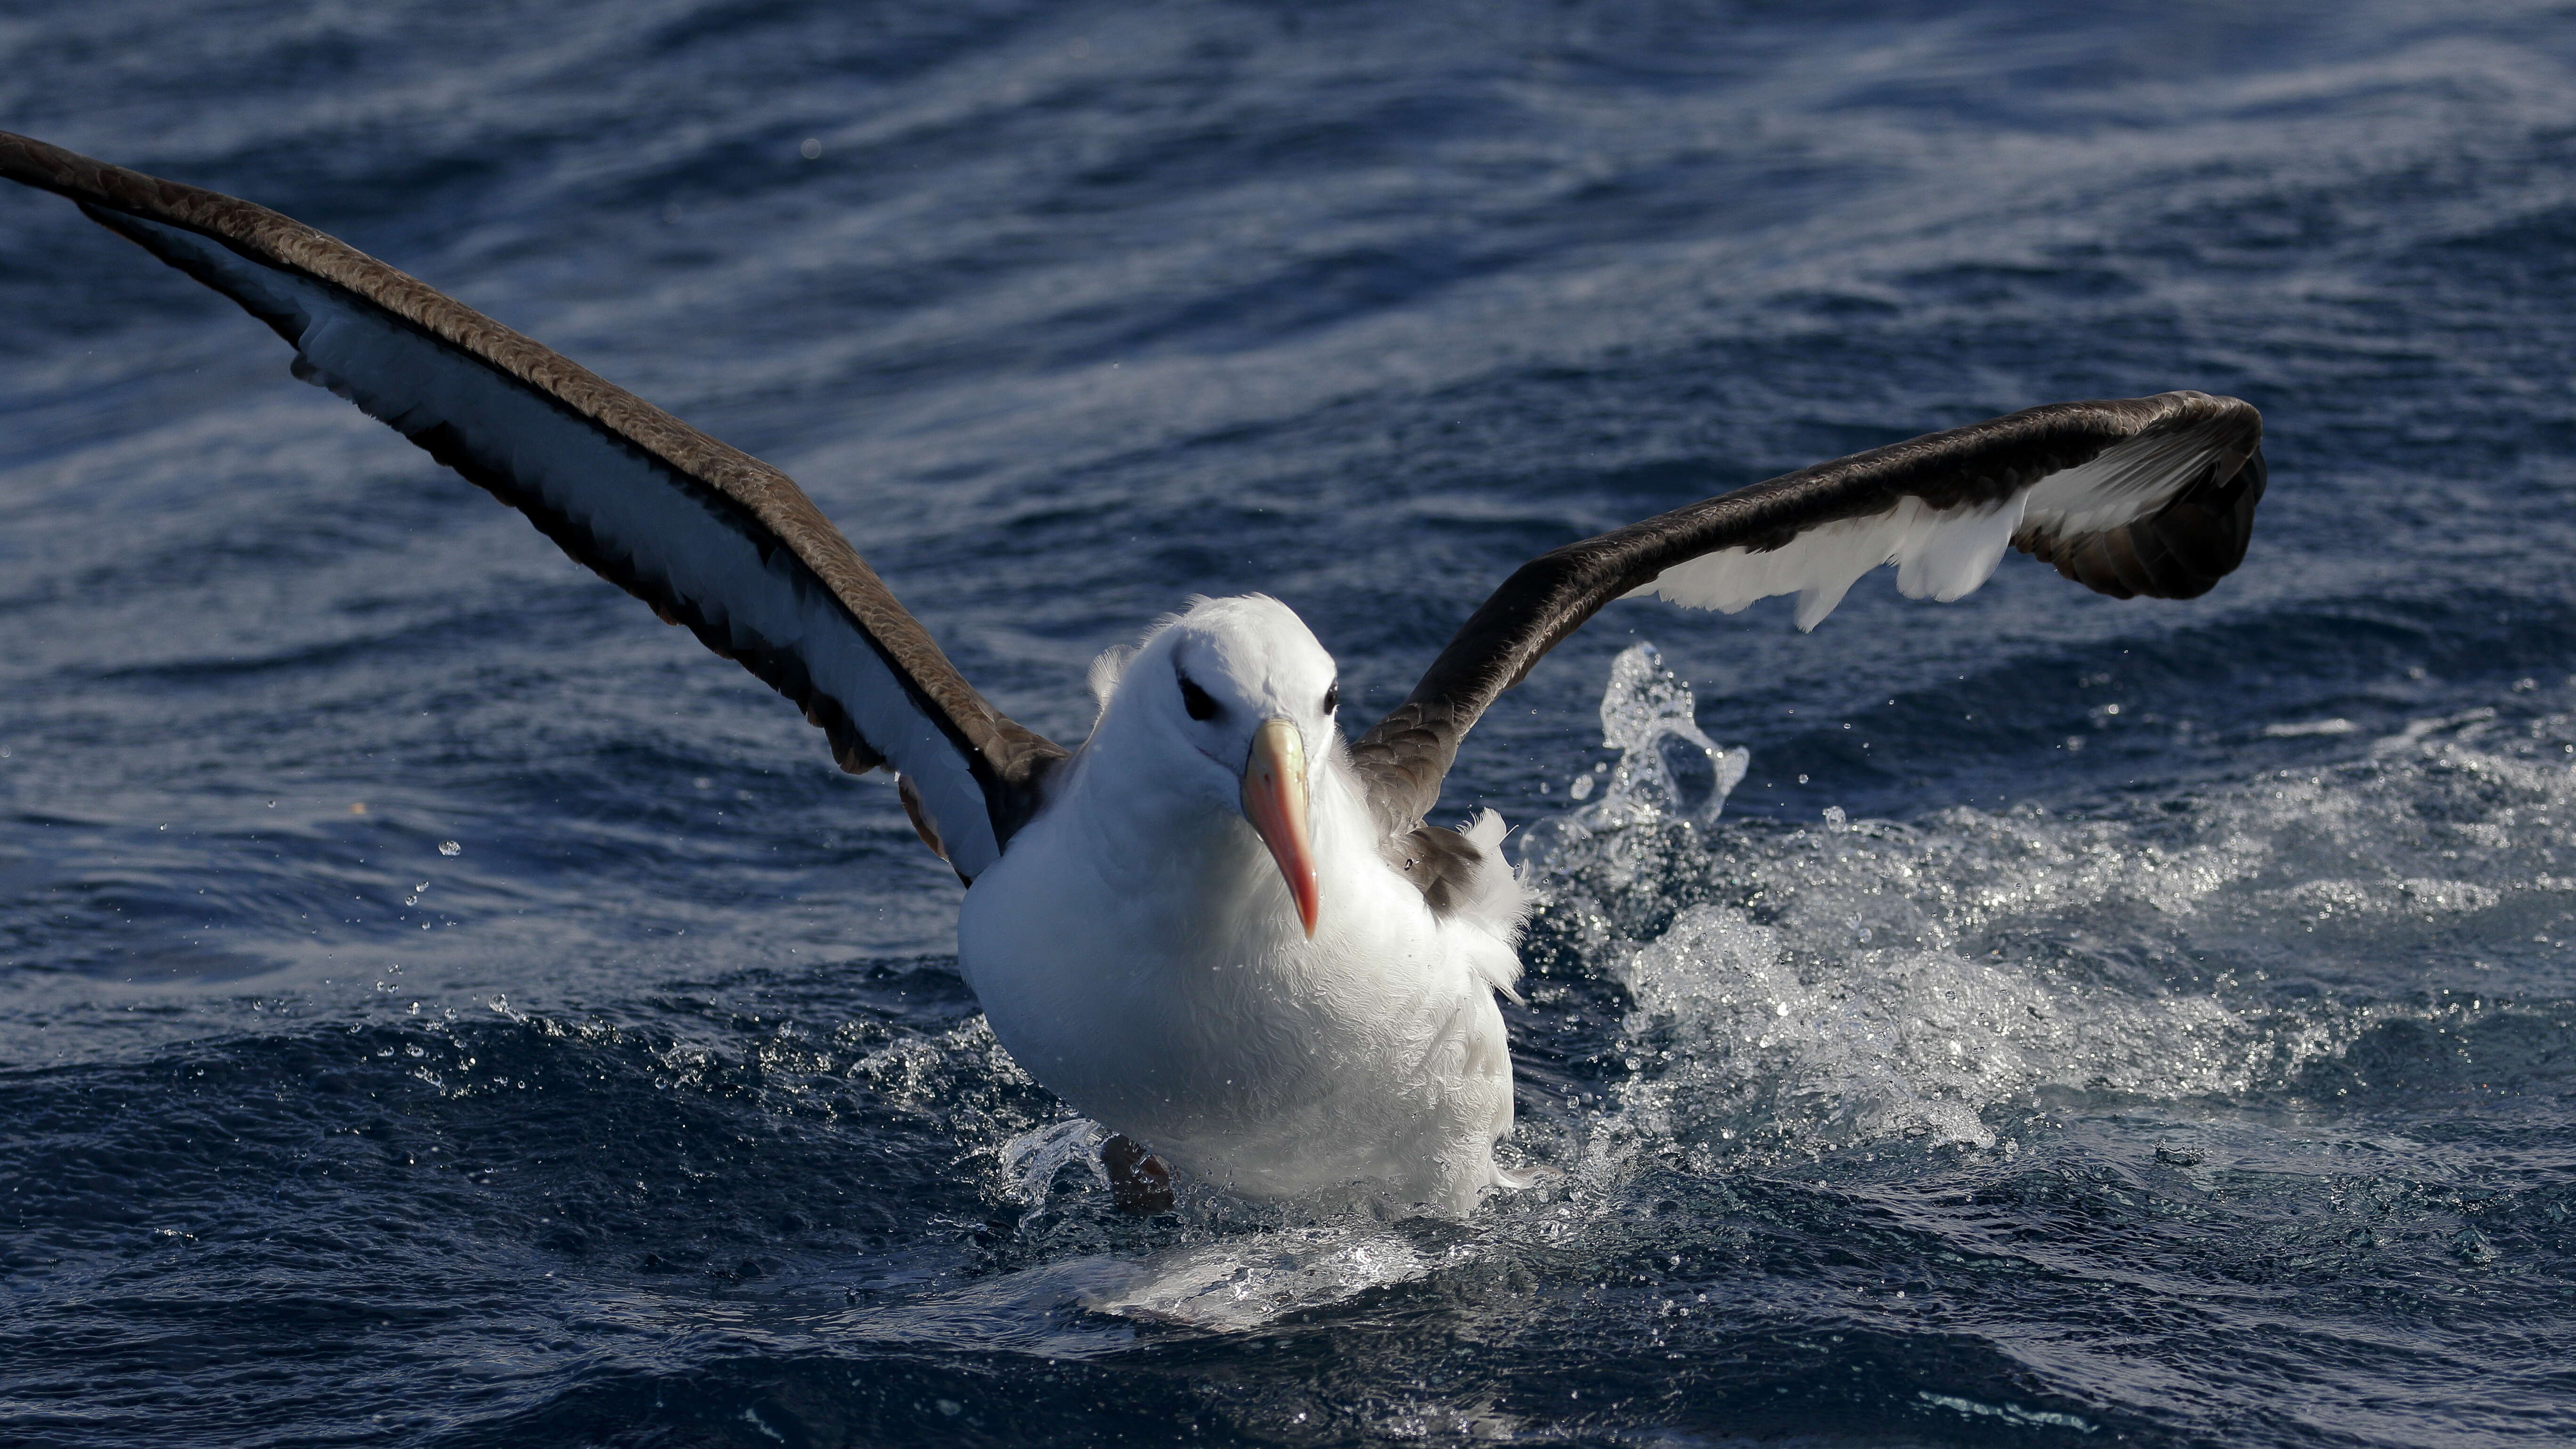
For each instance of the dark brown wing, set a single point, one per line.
(708, 535)
(2149, 496)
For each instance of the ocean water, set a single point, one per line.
(439, 1006)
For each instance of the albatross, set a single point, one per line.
(1218, 927)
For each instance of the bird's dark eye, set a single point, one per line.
(1333, 697)
(1197, 701)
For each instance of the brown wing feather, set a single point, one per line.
(2178, 549)
(739, 491)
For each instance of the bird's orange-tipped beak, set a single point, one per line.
(1274, 800)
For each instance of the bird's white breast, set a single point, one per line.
(1139, 955)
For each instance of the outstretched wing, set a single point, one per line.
(2149, 496)
(708, 535)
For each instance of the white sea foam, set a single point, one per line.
(1812, 989)
(1244, 1281)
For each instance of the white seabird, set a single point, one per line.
(1216, 927)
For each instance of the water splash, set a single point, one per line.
(1644, 709)
(1787, 991)
(1644, 706)
(1031, 1161)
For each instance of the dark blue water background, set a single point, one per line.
(2169, 1041)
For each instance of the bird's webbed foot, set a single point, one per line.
(1139, 1183)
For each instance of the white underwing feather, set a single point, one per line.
(635, 509)
(1940, 554)
(2127, 482)
(1945, 554)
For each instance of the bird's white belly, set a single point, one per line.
(1192, 1015)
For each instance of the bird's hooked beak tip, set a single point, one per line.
(1274, 800)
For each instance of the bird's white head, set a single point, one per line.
(1228, 703)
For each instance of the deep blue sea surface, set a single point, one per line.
(440, 1006)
